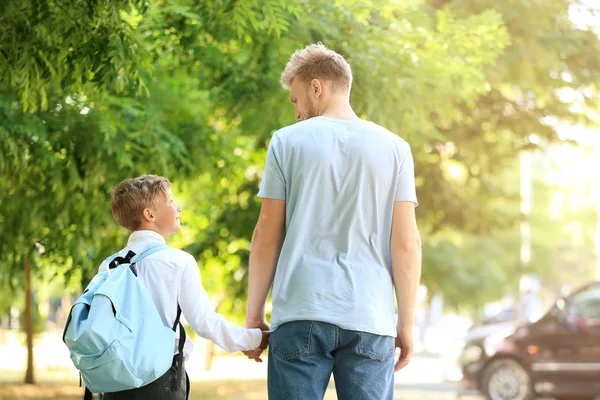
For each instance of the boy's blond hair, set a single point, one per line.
(316, 61)
(132, 196)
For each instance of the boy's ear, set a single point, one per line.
(147, 215)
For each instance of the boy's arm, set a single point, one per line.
(196, 307)
(267, 240)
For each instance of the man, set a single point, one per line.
(343, 190)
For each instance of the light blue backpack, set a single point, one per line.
(114, 332)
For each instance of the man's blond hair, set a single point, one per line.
(316, 61)
(132, 196)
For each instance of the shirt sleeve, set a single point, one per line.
(405, 187)
(199, 313)
(273, 185)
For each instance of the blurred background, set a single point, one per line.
(499, 101)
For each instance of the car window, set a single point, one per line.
(586, 304)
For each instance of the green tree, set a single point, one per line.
(563, 223)
(552, 63)
(77, 120)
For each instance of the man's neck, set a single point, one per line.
(339, 107)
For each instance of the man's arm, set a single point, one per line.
(266, 245)
(405, 247)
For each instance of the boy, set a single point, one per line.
(145, 206)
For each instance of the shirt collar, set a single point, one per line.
(145, 236)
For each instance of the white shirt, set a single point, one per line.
(340, 180)
(172, 276)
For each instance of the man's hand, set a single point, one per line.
(257, 323)
(404, 340)
(264, 343)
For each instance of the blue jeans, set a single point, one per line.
(303, 354)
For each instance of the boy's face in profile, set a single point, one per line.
(166, 214)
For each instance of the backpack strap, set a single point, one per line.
(131, 258)
(151, 249)
(121, 260)
(182, 335)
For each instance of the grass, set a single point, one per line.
(201, 390)
(58, 384)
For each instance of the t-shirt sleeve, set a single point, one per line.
(273, 185)
(405, 187)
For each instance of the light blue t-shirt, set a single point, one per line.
(340, 180)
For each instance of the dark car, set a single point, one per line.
(505, 315)
(556, 356)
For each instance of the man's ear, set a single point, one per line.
(316, 88)
(148, 215)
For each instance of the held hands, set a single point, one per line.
(404, 341)
(264, 343)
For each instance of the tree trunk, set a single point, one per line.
(29, 375)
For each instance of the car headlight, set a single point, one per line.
(471, 354)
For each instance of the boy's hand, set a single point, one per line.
(264, 343)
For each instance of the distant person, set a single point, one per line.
(530, 306)
(145, 206)
(343, 191)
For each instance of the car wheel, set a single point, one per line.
(506, 379)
